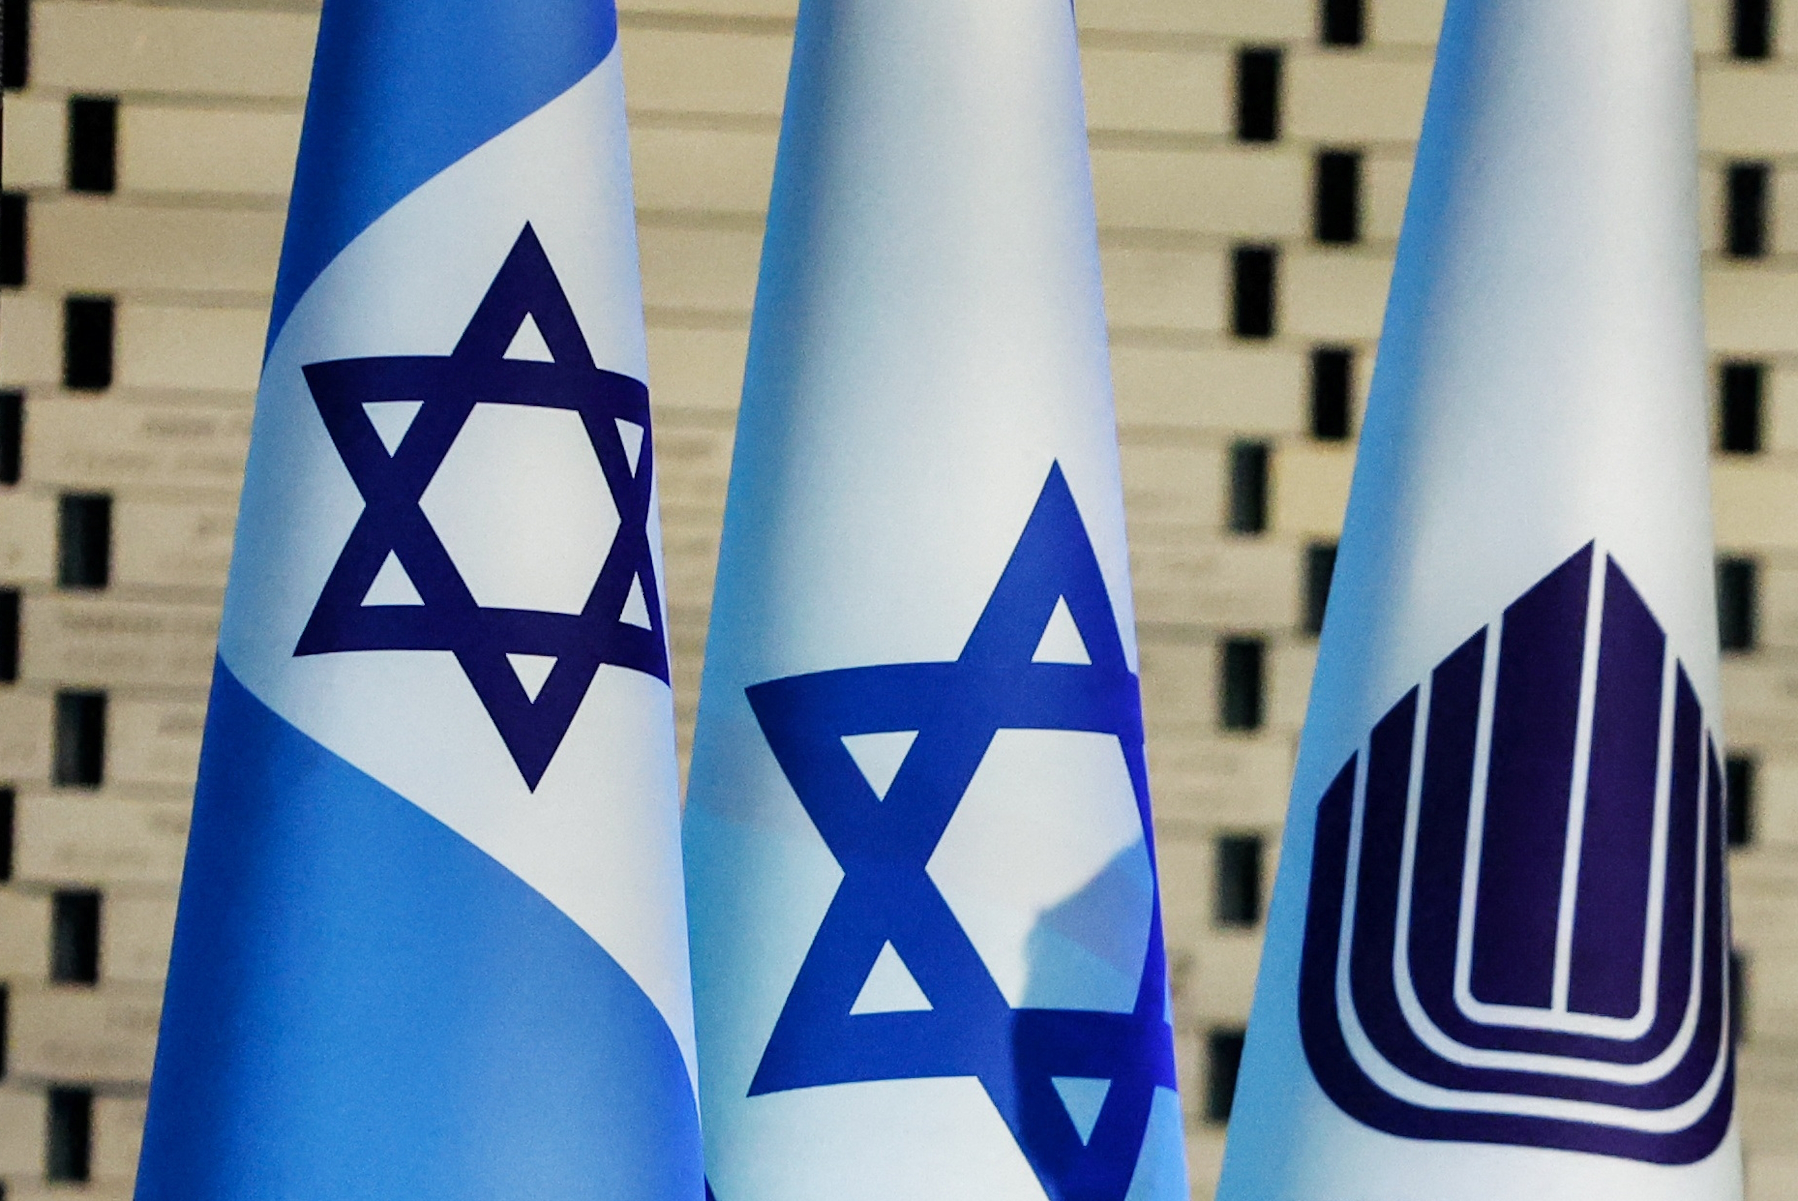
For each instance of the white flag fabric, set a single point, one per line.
(927, 948)
(1496, 962)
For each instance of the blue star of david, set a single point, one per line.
(886, 895)
(392, 522)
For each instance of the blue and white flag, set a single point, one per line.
(1496, 966)
(432, 938)
(928, 952)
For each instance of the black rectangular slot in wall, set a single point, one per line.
(1258, 82)
(1240, 684)
(1739, 780)
(87, 343)
(1248, 487)
(78, 753)
(12, 239)
(1332, 392)
(1740, 391)
(10, 605)
(1751, 29)
(1236, 899)
(15, 52)
(1254, 282)
(68, 1144)
(1746, 193)
(1738, 604)
(1223, 1063)
(9, 805)
(1336, 198)
(93, 144)
(1320, 569)
(12, 436)
(1344, 22)
(84, 540)
(75, 937)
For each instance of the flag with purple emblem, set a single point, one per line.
(928, 958)
(1496, 964)
(431, 939)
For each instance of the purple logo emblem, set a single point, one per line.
(1517, 928)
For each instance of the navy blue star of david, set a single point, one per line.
(448, 619)
(886, 895)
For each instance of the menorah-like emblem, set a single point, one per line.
(1518, 924)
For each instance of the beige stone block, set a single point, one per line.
(709, 270)
(1783, 215)
(696, 369)
(1779, 607)
(1781, 411)
(1711, 206)
(1311, 488)
(1204, 1153)
(1386, 186)
(1334, 295)
(150, 48)
(1159, 91)
(34, 141)
(118, 1137)
(1351, 98)
(27, 538)
(216, 350)
(1184, 578)
(93, 1191)
(1225, 970)
(1150, 288)
(1235, 193)
(1405, 22)
(24, 936)
(1759, 696)
(1243, 391)
(25, 719)
(1771, 1171)
(30, 338)
(82, 244)
(680, 169)
(1751, 310)
(1755, 500)
(1175, 484)
(782, 10)
(1290, 667)
(1710, 27)
(1264, 20)
(82, 1035)
(154, 741)
(1776, 819)
(22, 1124)
(170, 148)
(172, 544)
(98, 642)
(67, 838)
(135, 934)
(1183, 861)
(110, 444)
(740, 72)
(1734, 106)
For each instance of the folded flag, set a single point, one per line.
(928, 952)
(1496, 963)
(431, 939)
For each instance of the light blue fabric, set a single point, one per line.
(403, 88)
(362, 1004)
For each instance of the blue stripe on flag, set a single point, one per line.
(403, 88)
(363, 1004)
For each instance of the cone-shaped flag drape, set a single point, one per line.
(928, 958)
(432, 939)
(1496, 964)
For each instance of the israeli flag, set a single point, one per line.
(432, 940)
(928, 951)
(1497, 962)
